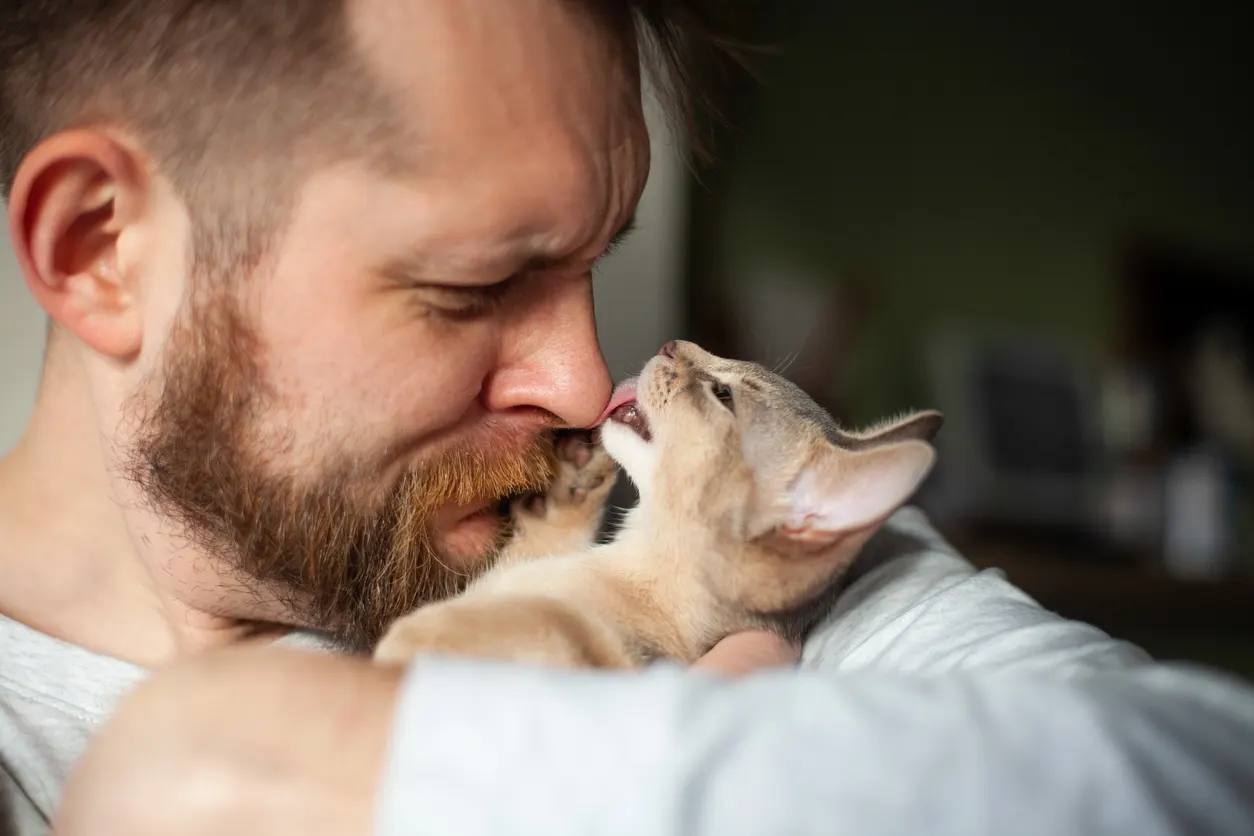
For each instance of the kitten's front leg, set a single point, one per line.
(518, 625)
(522, 628)
(566, 518)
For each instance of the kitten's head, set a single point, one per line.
(731, 457)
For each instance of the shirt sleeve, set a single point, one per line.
(915, 605)
(934, 699)
(492, 749)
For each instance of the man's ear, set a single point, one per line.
(72, 198)
(844, 493)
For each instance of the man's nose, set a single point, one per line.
(551, 359)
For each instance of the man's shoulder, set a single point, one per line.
(53, 698)
(914, 604)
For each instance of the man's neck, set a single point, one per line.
(70, 566)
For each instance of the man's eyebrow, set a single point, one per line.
(544, 262)
(413, 265)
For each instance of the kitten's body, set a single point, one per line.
(753, 503)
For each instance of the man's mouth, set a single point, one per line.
(624, 409)
(450, 518)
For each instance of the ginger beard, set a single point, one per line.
(335, 551)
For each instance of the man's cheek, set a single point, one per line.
(437, 387)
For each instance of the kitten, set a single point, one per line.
(753, 503)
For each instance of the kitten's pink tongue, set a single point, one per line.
(624, 393)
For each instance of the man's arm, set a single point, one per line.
(283, 742)
(866, 739)
(486, 749)
(934, 699)
(916, 606)
(242, 741)
(265, 741)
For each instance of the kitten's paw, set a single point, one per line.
(565, 518)
(585, 477)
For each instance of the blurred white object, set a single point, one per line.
(1222, 387)
(1196, 533)
(1128, 410)
(1134, 510)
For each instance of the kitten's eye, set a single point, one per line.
(724, 394)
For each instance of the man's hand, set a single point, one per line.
(242, 741)
(744, 653)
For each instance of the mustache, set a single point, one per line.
(495, 464)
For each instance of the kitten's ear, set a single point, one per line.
(919, 426)
(845, 493)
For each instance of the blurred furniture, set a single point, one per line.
(1021, 445)
(1186, 334)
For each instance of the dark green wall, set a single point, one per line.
(984, 160)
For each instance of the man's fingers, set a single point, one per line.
(744, 653)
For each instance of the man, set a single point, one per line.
(318, 274)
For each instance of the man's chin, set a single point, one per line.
(471, 540)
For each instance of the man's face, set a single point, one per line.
(342, 427)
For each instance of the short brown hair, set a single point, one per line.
(188, 78)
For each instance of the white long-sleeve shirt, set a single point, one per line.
(935, 700)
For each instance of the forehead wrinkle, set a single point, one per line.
(479, 54)
(523, 250)
(538, 257)
(600, 212)
(580, 162)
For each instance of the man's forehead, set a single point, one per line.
(471, 77)
(489, 54)
(526, 134)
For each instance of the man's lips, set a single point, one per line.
(450, 518)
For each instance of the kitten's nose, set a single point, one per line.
(668, 350)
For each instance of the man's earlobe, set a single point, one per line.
(72, 200)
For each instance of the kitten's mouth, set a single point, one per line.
(624, 409)
(631, 416)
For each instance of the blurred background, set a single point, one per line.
(1037, 218)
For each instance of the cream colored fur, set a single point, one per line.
(748, 517)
